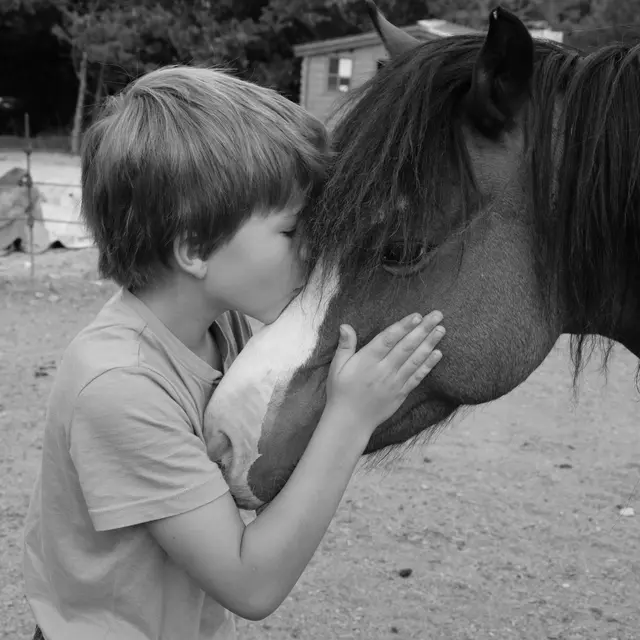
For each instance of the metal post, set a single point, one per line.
(29, 184)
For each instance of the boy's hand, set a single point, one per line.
(372, 383)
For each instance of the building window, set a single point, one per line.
(340, 72)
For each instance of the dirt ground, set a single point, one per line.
(508, 526)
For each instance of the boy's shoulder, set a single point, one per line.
(125, 335)
(112, 340)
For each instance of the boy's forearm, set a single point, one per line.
(280, 542)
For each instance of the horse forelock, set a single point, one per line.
(397, 142)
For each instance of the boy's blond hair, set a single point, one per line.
(190, 152)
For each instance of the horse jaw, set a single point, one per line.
(242, 407)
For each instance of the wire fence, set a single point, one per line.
(26, 180)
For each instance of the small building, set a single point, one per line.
(543, 31)
(330, 68)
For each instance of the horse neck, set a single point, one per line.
(629, 334)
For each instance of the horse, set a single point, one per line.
(489, 176)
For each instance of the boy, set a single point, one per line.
(192, 181)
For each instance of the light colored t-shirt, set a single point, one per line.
(123, 445)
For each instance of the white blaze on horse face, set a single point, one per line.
(235, 416)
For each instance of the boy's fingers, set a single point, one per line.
(425, 332)
(422, 371)
(386, 340)
(421, 354)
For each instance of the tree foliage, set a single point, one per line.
(110, 42)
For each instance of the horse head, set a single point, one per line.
(452, 188)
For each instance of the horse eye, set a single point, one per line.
(397, 254)
(401, 260)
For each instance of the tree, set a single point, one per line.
(107, 43)
(104, 34)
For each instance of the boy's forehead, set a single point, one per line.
(287, 212)
(290, 211)
(277, 216)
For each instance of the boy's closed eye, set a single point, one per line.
(289, 221)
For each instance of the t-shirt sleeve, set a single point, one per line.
(136, 453)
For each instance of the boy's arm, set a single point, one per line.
(251, 570)
(135, 451)
(139, 462)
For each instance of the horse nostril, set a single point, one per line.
(219, 450)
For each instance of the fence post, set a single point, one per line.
(29, 184)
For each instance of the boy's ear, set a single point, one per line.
(188, 260)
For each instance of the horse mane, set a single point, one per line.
(592, 229)
(400, 147)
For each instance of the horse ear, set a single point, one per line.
(501, 75)
(396, 41)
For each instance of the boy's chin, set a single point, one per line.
(270, 316)
(266, 317)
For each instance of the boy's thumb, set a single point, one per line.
(347, 340)
(345, 335)
(346, 347)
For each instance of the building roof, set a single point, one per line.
(357, 41)
(443, 28)
(423, 30)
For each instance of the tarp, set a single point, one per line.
(55, 196)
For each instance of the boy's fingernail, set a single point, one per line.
(437, 316)
(416, 319)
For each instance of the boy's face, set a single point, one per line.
(258, 272)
